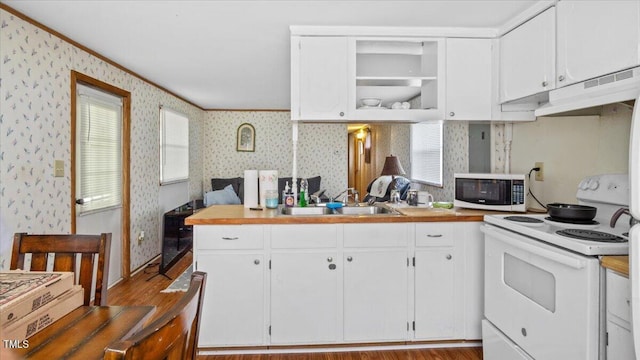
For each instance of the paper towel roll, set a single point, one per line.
(250, 188)
(268, 181)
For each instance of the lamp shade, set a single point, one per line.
(392, 166)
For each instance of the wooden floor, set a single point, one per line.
(144, 289)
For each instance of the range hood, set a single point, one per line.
(580, 98)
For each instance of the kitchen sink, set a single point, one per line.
(364, 210)
(309, 210)
(346, 210)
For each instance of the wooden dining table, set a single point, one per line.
(83, 333)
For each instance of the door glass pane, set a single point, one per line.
(531, 281)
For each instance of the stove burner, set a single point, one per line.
(524, 219)
(576, 222)
(591, 235)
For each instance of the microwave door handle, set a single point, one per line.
(524, 246)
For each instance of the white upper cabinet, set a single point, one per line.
(319, 78)
(527, 58)
(469, 81)
(406, 75)
(596, 38)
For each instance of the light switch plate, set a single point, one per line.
(58, 168)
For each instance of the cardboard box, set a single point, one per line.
(34, 322)
(22, 292)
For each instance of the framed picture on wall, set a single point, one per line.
(246, 140)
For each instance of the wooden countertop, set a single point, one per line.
(618, 264)
(238, 214)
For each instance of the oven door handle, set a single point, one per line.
(501, 235)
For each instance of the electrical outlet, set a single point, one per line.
(540, 173)
(140, 238)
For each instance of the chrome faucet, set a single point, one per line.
(315, 198)
(345, 196)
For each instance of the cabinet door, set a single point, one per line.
(375, 295)
(619, 342)
(304, 297)
(469, 79)
(434, 294)
(596, 38)
(233, 308)
(527, 58)
(319, 78)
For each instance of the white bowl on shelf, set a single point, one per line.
(371, 102)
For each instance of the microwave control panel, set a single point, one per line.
(517, 192)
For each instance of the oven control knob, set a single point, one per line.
(594, 184)
(583, 185)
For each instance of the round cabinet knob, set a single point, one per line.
(561, 78)
(452, 114)
(329, 259)
(332, 266)
(524, 332)
(349, 259)
(256, 261)
(341, 113)
(449, 256)
(544, 84)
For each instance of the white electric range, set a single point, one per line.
(544, 287)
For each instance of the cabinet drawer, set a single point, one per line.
(434, 234)
(618, 296)
(221, 237)
(376, 235)
(308, 236)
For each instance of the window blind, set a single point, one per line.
(98, 150)
(174, 146)
(426, 152)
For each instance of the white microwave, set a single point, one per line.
(500, 192)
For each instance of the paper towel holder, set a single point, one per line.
(246, 138)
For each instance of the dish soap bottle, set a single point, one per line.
(303, 193)
(288, 199)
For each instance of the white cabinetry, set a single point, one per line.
(304, 284)
(233, 309)
(375, 282)
(438, 283)
(596, 38)
(469, 79)
(319, 78)
(473, 286)
(527, 58)
(619, 336)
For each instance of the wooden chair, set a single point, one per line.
(173, 336)
(65, 248)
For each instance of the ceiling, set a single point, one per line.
(235, 54)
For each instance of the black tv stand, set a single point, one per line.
(177, 238)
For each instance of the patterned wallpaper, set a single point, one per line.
(322, 148)
(35, 130)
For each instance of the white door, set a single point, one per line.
(304, 297)
(98, 169)
(233, 308)
(319, 78)
(527, 58)
(435, 303)
(469, 80)
(596, 38)
(375, 295)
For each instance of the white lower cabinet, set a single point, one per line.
(304, 300)
(233, 311)
(619, 336)
(375, 290)
(438, 283)
(295, 284)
